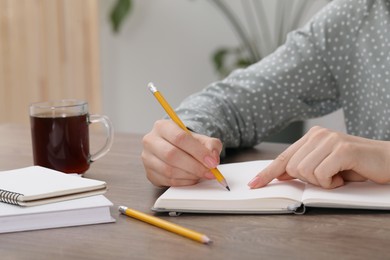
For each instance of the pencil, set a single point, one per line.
(185, 232)
(160, 98)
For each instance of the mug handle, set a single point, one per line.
(109, 136)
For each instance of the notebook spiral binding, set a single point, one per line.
(9, 197)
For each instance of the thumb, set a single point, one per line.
(213, 146)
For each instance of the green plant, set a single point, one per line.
(119, 12)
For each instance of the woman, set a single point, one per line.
(340, 59)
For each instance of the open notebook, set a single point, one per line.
(37, 185)
(277, 197)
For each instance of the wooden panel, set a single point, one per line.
(48, 50)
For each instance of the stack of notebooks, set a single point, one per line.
(38, 198)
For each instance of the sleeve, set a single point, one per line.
(293, 83)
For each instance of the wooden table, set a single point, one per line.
(319, 234)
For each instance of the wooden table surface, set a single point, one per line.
(319, 234)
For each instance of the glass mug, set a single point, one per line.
(60, 135)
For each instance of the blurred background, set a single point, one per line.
(53, 49)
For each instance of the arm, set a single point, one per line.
(309, 76)
(293, 83)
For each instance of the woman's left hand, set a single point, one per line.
(327, 158)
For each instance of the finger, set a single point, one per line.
(307, 158)
(318, 146)
(285, 177)
(189, 144)
(175, 159)
(337, 181)
(277, 166)
(328, 171)
(349, 175)
(161, 174)
(160, 181)
(212, 144)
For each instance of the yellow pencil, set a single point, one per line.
(185, 232)
(218, 175)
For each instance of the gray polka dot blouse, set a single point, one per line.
(340, 59)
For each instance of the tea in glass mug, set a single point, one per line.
(60, 135)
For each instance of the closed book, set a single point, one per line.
(76, 212)
(37, 185)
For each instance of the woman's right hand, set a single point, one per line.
(172, 157)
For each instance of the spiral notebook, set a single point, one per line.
(36, 185)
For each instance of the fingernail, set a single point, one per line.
(253, 183)
(210, 162)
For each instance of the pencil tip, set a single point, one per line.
(206, 240)
(227, 187)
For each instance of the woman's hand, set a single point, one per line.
(172, 157)
(327, 158)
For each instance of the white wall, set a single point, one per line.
(165, 41)
(168, 42)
